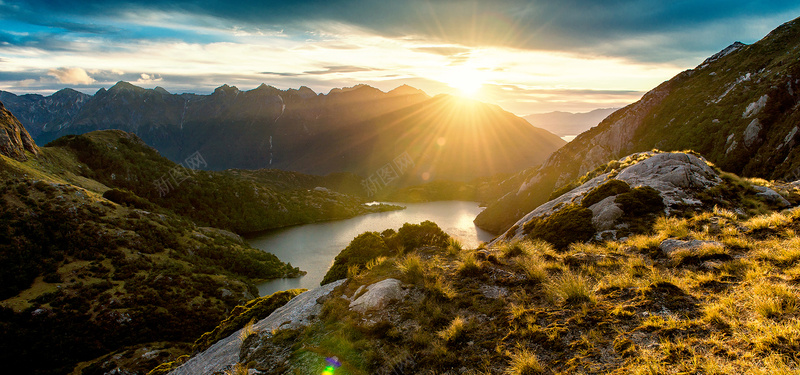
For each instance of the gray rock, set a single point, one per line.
(493, 291)
(676, 176)
(771, 196)
(605, 213)
(751, 133)
(789, 139)
(378, 295)
(670, 246)
(755, 107)
(299, 312)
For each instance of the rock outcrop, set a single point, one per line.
(299, 312)
(14, 139)
(377, 295)
(677, 177)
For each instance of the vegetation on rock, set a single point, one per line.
(572, 223)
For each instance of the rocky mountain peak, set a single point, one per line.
(14, 139)
(725, 52)
(406, 90)
(161, 90)
(123, 86)
(225, 90)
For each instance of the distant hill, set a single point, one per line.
(358, 130)
(567, 123)
(739, 109)
(107, 246)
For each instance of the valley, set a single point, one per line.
(399, 218)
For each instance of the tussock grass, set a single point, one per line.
(453, 332)
(533, 266)
(469, 265)
(515, 248)
(238, 369)
(570, 289)
(412, 268)
(247, 330)
(524, 362)
(454, 246)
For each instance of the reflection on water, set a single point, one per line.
(312, 247)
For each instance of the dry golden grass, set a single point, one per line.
(524, 362)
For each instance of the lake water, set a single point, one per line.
(312, 247)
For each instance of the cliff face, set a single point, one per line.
(14, 139)
(740, 109)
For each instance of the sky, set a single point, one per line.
(526, 56)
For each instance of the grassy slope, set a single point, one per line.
(616, 307)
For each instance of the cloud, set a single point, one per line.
(340, 69)
(672, 29)
(71, 76)
(146, 79)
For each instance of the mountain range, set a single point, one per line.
(568, 124)
(359, 129)
(739, 109)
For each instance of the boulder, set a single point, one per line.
(605, 213)
(771, 196)
(751, 133)
(378, 295)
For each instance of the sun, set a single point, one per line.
(468, 81)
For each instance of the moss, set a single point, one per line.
(166, 368)
(572, 223)
(255, 309)
(607, 189)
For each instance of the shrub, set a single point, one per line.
(426, 233)
(362, 249)
(640, 201)
(609, 188)
(570, 224)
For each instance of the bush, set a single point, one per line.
(640, 201)
(362, 249)
(572, 223)
(426, 233)
(609, 188)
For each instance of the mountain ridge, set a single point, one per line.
(568, 123)
(270, 128)
(719, 109)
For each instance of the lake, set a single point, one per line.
(312, 247)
